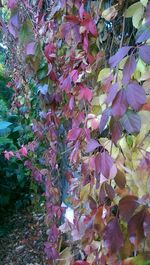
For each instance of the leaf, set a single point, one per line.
(112, 93)
(128, 69)
(110, 13)
(4, 125)
(138, 16)
(144, 2)
(120, 104)
(127, 206)
(113, 238)
(73, 134)
(120, 179)
(110, 191)
(81, 262)
(131, 10)
(84, 193)
(135, 228)
(30, 48)
(104, 119)
(144, 53)
(144, 36)
(103, 74)
(116, 130)
(91, 145)
(121, 53)
(131, 122)
(136, 96)
(103, 164)
(26, 33)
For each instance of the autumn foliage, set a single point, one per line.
(88, 62)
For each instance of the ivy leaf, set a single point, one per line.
(144, 53)
(127, 206)
(144, 36)
(120, 104)
(92, 145)
(113, 238)
(104, 119)
(135, 96)
(128, 70)
(120, 179)
(135, 227)
(103, 164)
(121, 53)
(116, 130)
(112, 93)
(131, 122)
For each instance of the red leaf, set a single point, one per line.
(120, 104)
(127, 206)
(85, 93)
(92, 145)
(104, 119)
(131, 122)
(144, 53)
(135, 95)
(23, 151)
(121, 53)
(113, 238)
(128, 70)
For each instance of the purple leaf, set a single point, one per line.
(112, 93)
(104, 163)
(30, 48)
(131, 122)
(121, 53)
(110, 191)
(135, 227)
(92, 145)
(128, 70)
(127, 206)
(146, 224)
(120, 104)
(116, 130)
(144, 53)
(113, 238)
(104, 119)
(144, 36)
(43, 89)
(135, 96)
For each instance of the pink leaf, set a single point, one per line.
(23, 150)
(73, 134)
(8, 154)
(121, 53)
(11, 4)
(120, 104)
(91, 146)
(128, 70)
(144, 53)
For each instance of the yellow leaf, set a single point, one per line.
(84, 193)
(137, 17)
(144, 2)
(104, 73)
(109, 13)
(65, 257)
(132, 9)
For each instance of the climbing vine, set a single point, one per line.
(80, 71)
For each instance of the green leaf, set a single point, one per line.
(26, 33)
(144, 2)
(4, 128)
(133, 9)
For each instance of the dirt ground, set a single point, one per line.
(23, 243)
